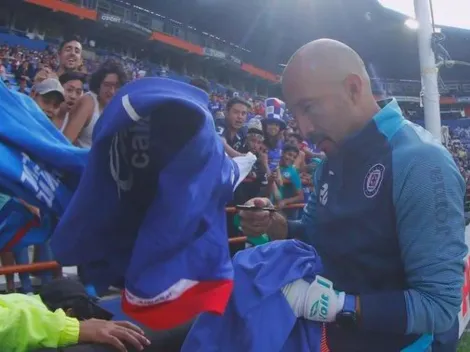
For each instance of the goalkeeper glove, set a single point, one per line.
(317, 301)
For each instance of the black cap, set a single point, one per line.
(66, 293)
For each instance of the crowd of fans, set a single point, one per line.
(73, 92)
(284, 171)
(19, 66)
(457, 141)
(25, 70)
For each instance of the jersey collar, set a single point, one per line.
(386, 122)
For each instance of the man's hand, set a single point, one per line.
(255, 223)
(43, 74)
(114, 333)
(317, 301)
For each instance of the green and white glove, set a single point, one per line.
(317, 301)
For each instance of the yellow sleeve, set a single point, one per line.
(27, 324)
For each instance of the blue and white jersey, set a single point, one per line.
(144, 211)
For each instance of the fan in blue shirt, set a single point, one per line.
(386, 217)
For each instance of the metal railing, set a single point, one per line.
(52, 265)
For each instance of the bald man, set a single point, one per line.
(387, 217)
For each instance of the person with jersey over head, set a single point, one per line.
(137, 167)
(104, 83)
(386, 215)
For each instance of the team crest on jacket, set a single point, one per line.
(373, 180)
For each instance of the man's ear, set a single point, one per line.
(354, 86)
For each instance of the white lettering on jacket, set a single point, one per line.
(140, 141)
(129, 151)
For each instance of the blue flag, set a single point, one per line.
(258, 317)
(150, 207)
(37, 163)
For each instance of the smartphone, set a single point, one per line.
(254, 208)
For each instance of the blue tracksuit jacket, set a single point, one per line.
(387, 219)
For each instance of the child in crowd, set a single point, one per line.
(285, 181)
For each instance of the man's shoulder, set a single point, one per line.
(417, 156)
(413, 143)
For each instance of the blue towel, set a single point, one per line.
(37, 163)
(150, 206)
(258, 317)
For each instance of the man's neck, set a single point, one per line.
(367, 115)
(61, 70)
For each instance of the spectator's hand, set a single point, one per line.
(277, 177)
(43, 74)
(114, 333)
(271, 177)
(256, 222)
(281, 204)
(263, 158)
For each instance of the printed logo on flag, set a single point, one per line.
(40, 181)
(373, 180)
